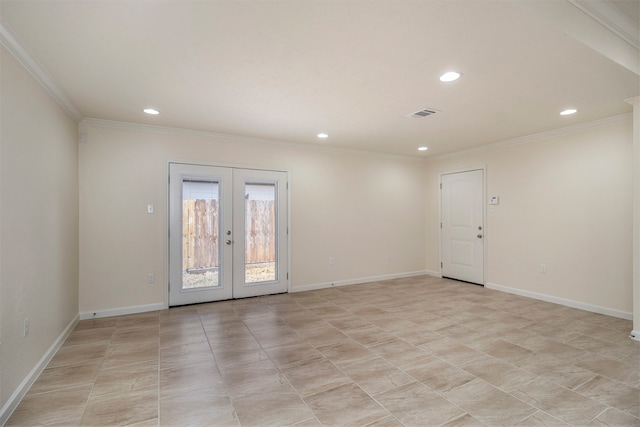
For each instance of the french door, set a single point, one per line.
(462, 226)
(227, 233)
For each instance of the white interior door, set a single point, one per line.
(227, 233)
(462, 234)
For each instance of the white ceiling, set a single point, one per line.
(286, 70)
(629, 8)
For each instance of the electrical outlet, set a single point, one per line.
(151, 278)
(543, 268)
(26, 327)
(332, 260)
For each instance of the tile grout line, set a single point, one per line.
(158, 375)
(86, 405)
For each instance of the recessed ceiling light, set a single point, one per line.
(151, 111)
(323, 135)
(568, 112)
(423, 148)
(450, 76)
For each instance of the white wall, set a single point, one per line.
(39, 224)
(636, 217)
(355, 207)
(565, 201)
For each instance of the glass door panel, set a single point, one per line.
(200, 234)
(260, 232)
(200, 216)
(260, 211)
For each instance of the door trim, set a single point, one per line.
(485, 256)
(165, 303)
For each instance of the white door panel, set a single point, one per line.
(462, 234)
(259, 203)
(462, 253)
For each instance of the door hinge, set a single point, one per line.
(440, 225)
(287, 276)
(441, 186)
(441, 265)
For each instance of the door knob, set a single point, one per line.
(479, 236)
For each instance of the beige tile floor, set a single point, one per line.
(415, 352)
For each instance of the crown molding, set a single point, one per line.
(238, 138)
(610, 17)
(27, 60)
(621, 118)
(598, 24)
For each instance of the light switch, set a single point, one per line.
(149, 208)
(494, 200)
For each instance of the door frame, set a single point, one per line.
(485, 256)
(167, 207)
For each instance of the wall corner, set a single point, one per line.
(636, 216)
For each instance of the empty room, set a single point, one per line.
(320, 213)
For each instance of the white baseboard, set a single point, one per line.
(28, 381)
(635, 335)
(120, 311)
(433, 273)
(562, 301)
(325, 285)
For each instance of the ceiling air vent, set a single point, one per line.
(422, 113)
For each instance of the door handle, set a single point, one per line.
(479, 236)
(229, 242)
